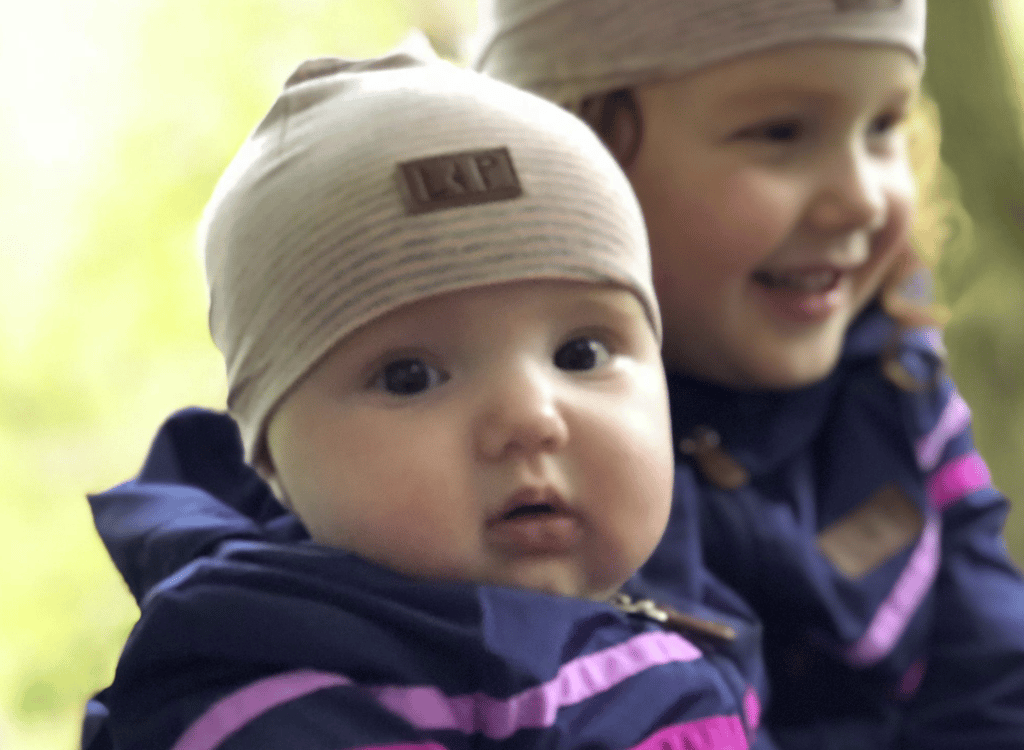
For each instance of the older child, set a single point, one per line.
(842, 495)
(433, 296)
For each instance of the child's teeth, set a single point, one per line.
(815, 281)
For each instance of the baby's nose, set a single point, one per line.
(520, 417)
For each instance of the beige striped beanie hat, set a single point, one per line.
(370, 185)
(567, 50)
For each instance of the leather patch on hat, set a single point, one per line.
(871, 533)
(462, 179)
(868, 4)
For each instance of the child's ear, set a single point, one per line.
(616, 118)
(625, 131)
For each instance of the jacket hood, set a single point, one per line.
(193, 493)
(232, 590)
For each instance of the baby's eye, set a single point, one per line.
(582, 353)
(408, 376)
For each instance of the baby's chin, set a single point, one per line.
(555, 584)
(542, 574)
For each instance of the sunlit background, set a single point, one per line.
(117, 118)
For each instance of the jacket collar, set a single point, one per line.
(763, 428)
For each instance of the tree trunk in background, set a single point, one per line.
(970, 74)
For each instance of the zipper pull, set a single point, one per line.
(714, 463)
(683, 623)
(643, 607)
(672, 619)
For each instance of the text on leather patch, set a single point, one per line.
(461, 179)
(871, 533)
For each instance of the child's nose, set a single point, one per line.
(520, 417)
(851, 194)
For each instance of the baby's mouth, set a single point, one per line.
(529, 510)
(535, 522)
(529, 502)
(814, 281)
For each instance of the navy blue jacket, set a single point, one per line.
(253, 637)
(858, 520)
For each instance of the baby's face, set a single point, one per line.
(515, 434)
(777, 194)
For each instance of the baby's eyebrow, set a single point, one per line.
(620, 308)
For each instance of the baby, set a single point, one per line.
(433, 295)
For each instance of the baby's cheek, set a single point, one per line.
(643, 460)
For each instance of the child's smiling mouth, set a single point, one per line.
(812, 281)
(803, 295)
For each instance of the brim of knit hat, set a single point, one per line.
(567, 50)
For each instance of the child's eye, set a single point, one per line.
(886, 123)
(783, 131)
(582, 353)
(408, 376)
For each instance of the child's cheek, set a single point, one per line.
(906, 195)
(744, 218)
(901, 213)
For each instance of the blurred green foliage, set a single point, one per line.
(976, 60)
(121, 116)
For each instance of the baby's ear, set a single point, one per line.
(264, 466)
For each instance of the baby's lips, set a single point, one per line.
(544, 533)
(526, 498)
(535, 521)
